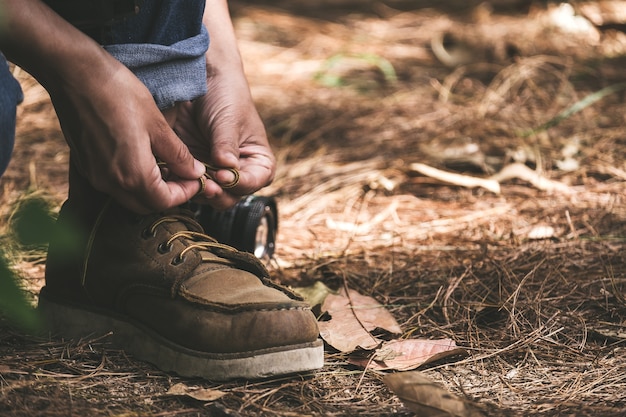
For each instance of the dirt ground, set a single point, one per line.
(529, 277)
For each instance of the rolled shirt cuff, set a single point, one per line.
(172, 73)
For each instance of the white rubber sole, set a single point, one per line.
(71, 323)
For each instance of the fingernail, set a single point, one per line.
(199, 168)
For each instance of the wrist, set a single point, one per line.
(223, 55)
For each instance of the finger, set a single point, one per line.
(226, 177)
(159, 194)
(256, 172)
(213, 194)
(225, 145)
(225, 153)
(168, 148)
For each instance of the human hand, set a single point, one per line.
(109, 117)
(223, 129)
(115, 131)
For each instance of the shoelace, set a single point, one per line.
(198, 240)
(207, 175)
(224, 254)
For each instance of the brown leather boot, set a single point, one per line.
(172, 295)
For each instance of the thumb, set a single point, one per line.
(225, 135)
(225, 152)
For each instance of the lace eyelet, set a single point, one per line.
(164, 248)
(147, 233)
(178, 260)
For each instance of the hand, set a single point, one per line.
(109, 117)
(224, 129)
(115, 130)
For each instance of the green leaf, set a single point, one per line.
(33, 223)
(327, 74)
(13, 303)
(576, 107)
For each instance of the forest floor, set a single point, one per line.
(526, 272)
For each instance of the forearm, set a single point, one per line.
(223, 53)
(52, 50)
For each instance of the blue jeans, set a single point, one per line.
(164, 45)
(10, 97)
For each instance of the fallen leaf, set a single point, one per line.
(352, 319)
(197, 393)
(368, 311)
(345, 333)
(425, 397)
(405, 355)
(314, 294)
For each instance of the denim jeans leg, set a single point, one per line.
(164, 45)
(172, 73)
(10, 96)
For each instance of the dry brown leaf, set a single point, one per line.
(346, 336)
(352, 319)
(197, 393)
(420, 394)
(405, 355)
(371, 313)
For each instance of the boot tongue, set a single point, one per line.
(185, 217)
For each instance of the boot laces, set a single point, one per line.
(195, 239)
